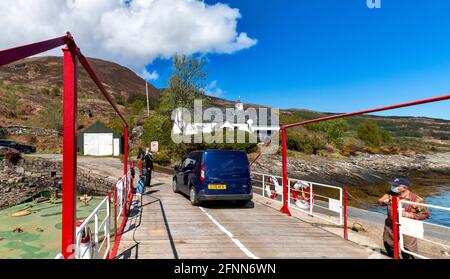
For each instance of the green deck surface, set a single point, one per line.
(41, 236)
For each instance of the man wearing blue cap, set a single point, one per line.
(400, 187)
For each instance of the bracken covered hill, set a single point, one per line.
(48, 72)
(30, 79)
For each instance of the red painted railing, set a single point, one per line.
(125, 198)
(285, 208)
(71, 54)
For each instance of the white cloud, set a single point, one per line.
(213, 90)
(131, 34)
(150, 76)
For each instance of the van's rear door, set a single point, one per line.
(227, 172)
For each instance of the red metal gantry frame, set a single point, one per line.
(69, 173)
(71, 54)
(285, 208)
(283, 128)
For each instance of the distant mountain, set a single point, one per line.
(47, 72)
(399, 126)
(31, 80)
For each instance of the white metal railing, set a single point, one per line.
(105, 225)
(122, 191)
(271, 186)
(120, 196)
(304, 196)
(327, 206)
(416, 228)
(123, 188)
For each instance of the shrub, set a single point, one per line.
(44, 91)
(162, 158)
(333, 130)
(137, 107)
(386, 137)
(158, 128)
(120, 100)
(51, 115)
(309, 144)
(351, 146)
(54, 92)
(391, 149)
(117, 126)
(372, 135)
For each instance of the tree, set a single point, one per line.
(372, 134)
(51, 115)
(158, 128)
(117, 126)
(333, 130)
(306, 143)
(137, 107)
(186, 84)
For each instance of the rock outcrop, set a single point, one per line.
(359, 169)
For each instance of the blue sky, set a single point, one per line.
(336, 55)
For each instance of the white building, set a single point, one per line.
(262, 131)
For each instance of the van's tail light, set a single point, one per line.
(202, 174)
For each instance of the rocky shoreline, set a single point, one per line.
(359, 169)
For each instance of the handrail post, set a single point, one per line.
(115, 210)
(263, 185)
(107, 226)
(395, 226)
(96, 229)
(69, 171)
(289, 192)
(125, 150)
(285, 208)
(124, 196)
(311, 196)
(345, 212)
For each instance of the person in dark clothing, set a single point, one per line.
(141, 153)
(148, 167)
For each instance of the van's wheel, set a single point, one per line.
(174, 186)
(193, 196)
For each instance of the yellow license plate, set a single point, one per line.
(217, 187)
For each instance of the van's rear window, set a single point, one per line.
(219, 164)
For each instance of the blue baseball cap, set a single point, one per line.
(401, 181)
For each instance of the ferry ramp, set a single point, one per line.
(164, 225)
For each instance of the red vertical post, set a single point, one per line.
(69, 171)
(125, 167)
(115, 210)
(125, 150)
(285, 208)
(395, 226)
(108, 256)
(345, 211)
